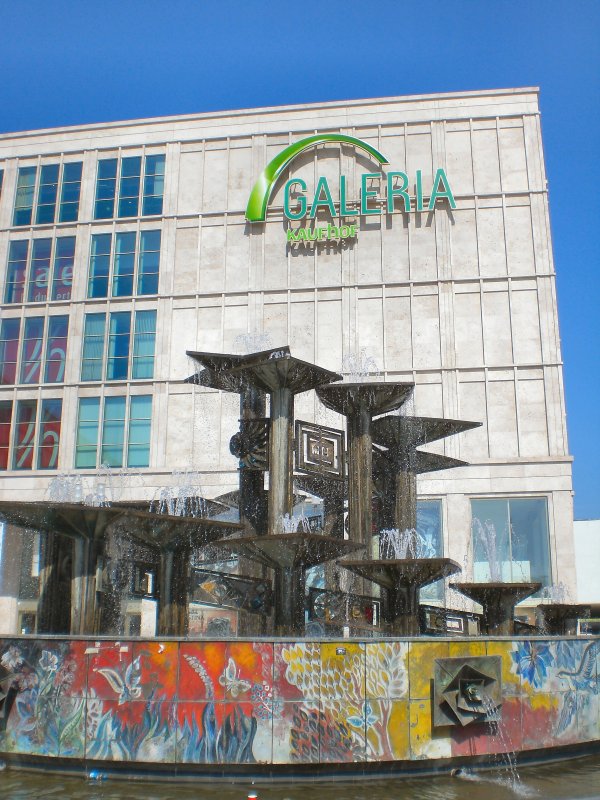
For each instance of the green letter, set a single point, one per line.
(398, 192)
(419, 188)
(292, 235)
(440, 177)
(322, 185)
(301, 199)
(366, 193)
(344, 210)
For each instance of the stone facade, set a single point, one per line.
(459, 301)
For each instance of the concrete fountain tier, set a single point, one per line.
(498, 601)
(401, 580)
(399, 465)
(171, 537)
(404, 434)
(560, 619)
(289, 555)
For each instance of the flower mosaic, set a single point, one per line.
(308, 702)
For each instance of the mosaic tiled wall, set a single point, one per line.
(281, 702)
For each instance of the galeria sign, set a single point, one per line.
(379, 193)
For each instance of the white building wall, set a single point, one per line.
(461, 302)
(587, 559)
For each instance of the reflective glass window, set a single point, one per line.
(31, 353)
(154, 184)
(510, 540)
(87, 432)
(106, 185)
(49, 434)
(144, 337)
(93, 347)
(64, 259)
(9, 348)
(429, 529)
(113, 431)
(24, 196)
(5, 421)
(47, 194)
(148, 262)
(129, 186)
(140, 416)
(99, 265)
(1, 180)
(24, 434)
(39, 272)
(124, 265)
(117, 362)
(56, 349)
(70, 192)
(15, 274)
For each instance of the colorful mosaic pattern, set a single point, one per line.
(215, 702)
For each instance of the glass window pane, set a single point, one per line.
(15, 273)
(47, 194)
(31, 354)
(9, 347)
(40, 270)
(140, 413)
(124, 265)
(49, 435)
(93, 347)
(429, 529)
(56, 349)
(148, 265)
(491, 541)
(143, 344)
(99, 265)
(129, 186)
(70, 192)
(87, 432)
(118, 346)
(106, 184)
(530, 539)
(24, 434)
(24, 196)
(113, 431)
(153, 185)
(5, 421)
(64, 259)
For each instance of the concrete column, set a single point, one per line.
(280, 457)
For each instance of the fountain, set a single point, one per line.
(247, 553)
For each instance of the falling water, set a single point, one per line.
(485, 534)
(358, 366)
(183, 498)
(252, 342)
(394, 543)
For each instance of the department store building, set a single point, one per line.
(124, 245)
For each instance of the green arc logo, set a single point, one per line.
(256, 209)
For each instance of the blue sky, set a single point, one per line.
(64, 62)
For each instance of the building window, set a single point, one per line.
(134, 269)
(5, 421)
(510, 540)
(134, 188)
(48, 434)
(9, 348)
(113, 432)
(1, 180)
(122, 361)
(51, 269)
(429, 528)
(32, 350)
(56, 198)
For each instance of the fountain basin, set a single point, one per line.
(561, 618)
(498, 601)
(401, 579)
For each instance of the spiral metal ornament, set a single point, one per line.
(251, 444)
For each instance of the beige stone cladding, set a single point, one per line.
(459, 301)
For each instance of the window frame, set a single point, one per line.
(60, 261)
(112, 341)
(101, 426)
(108, 266)
(126, 192)
(56, 199)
